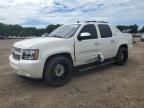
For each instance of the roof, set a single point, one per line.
(89, 22)
(101, 22)
(96, 21)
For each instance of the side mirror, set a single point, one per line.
(85, 34)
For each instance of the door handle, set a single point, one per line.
(97, 43)
(112, 41)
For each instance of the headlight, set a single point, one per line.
(30, 54)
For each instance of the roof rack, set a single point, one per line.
(96, 21)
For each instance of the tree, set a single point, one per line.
(141, 30)
(23, 33)
(133, 28)
(51, 27)
(122, 27)
(16, 30)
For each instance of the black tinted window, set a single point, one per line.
(105, 31)
(90, 29)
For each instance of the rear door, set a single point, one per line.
(107, 41)
(87, 49)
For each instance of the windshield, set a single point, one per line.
(65, 31)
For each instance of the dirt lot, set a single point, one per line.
(107, 87)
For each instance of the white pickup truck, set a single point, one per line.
(70, 47)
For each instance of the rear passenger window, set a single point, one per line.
(105, 31)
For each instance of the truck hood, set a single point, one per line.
(28, 43)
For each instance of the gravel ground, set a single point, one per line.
(110, 86)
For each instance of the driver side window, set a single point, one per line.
(90, 28)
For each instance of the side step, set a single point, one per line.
(94, 65)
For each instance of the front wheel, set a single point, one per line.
(122, 56)
(58, 71)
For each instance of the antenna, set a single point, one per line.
(78, 21)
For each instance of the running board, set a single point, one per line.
(93, 66)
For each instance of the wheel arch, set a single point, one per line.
(64, 54)
(123, 46)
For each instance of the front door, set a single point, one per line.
(87, 48)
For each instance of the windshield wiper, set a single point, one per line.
(56, 36)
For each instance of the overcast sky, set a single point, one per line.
(40, 13)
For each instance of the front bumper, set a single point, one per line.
(27, 68)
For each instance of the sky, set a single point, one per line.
(40, 13)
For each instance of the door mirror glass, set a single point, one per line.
(85, 34)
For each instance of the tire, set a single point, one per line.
(122, 56)
(58, 71)
(142, 40)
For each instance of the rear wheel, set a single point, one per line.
(58, 71)
(122, 56)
